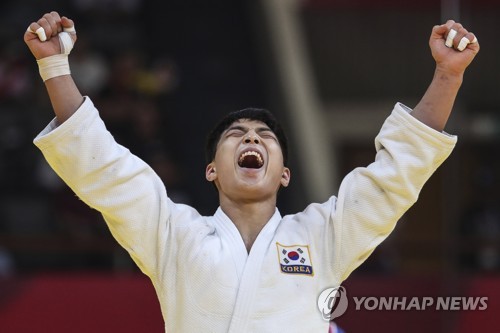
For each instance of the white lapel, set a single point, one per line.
(231, 235)
(251, 274)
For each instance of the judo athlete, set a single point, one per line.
(246, 268)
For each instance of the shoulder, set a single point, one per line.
(314, 212)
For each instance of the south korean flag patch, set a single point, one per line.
(295, 259)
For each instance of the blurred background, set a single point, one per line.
(162, 73)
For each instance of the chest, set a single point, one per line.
(281, 270)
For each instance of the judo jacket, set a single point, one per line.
(205, 279)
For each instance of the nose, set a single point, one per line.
(251, 139)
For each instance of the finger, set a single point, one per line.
(57, 18)
(457, 26)
(450, 37)
(463, 37)
(53, 24)
(36, 29)
(463, 43)
(455, 34)
(46, 27)
(466, 40)
(68, 25)
(442, 31)
(454, 29)
(449, 24)
(474, 45)
(438, 30)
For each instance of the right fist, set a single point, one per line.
(52, 25)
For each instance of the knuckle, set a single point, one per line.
(55, 16)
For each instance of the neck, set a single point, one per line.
(249, 218)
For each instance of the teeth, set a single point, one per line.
(251, 153)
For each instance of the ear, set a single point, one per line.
(285, 177)
(210, 172)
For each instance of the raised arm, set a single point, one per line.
(80, 149)
(452, 55)
(49, 52)
(371, 200)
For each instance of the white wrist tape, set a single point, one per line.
(57, 65)
(53, 66)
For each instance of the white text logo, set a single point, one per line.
(332, 303)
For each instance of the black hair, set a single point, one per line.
(262, 115)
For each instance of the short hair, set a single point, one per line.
(257, 114)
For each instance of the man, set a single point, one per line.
(246, 268)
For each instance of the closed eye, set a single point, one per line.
(239, 131)
(235, 132)
(267, 134)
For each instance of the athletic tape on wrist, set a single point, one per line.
(53, 66)
(57, 65)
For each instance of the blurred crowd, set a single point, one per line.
(43, 225)
(153, 72)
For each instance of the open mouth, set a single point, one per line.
(251, 160)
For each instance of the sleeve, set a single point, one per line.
(108, 178)
(372, 199)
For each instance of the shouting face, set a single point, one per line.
(248, 163)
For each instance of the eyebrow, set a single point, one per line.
(246, 129)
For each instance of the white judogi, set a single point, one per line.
(204, 278)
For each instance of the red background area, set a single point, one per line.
(97, 303)
(80, 303)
